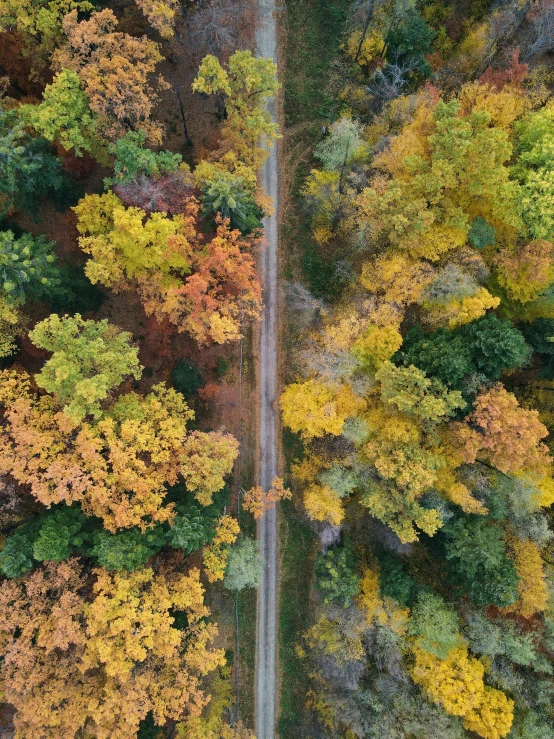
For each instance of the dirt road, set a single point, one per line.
(266, 38)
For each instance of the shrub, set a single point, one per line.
(186, 378)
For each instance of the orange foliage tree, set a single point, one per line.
(117, 467)
(156, 255)
(257, 502)
(115, 69)
(502, 432)
(95, 664)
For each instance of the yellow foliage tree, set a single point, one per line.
(117, 467)
(377, 345)
(503, 106)
(380, 610)
(398, 278)
(460, 311)
(457, 684)
(94, 658)
(364, 48)
(323, 504)
(494, 716)
(532, 588)
(216, 554)
(526, 271)
(313, 408)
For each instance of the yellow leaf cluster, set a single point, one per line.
(494, 716)
(546, 492)
(207, 458)
(94, 658)
(503, 106)
(377, 345)
(435, 242)
(216, 554)
(400, 279)
(457, 684)
(527, 271)
(160, 14)
(371, 46)
(314, 408)
(532, 587)
(384, 611)
(461, 311)
(323, 504)
(336, 638)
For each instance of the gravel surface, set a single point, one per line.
(266, 39)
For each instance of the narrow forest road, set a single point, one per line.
(266, 641)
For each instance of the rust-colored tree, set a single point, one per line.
(115, 70)
(156, 255)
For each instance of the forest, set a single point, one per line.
(418, 405)
(415, 373)
(131, 139)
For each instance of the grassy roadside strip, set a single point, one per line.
(248, 597)
(314, 31)
(312, 36)
(297, 554)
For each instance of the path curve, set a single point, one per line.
(266, 41)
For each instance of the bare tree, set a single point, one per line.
(329, 535)
(392, 79)
(220, 27)
(542, 21)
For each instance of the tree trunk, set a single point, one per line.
(184, 118)
(368, 19)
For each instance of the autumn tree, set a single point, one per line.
(405, 210)
(100, 662)
(207, 303)
(115, 70)
(160, 14)
(216, 555)
(457, 683)
(527, 272)
(533, 169)
(532, 586)
(503, 433)
(314, 408)
(412, 393)
(242, 89)
(257, 502)
(64, 115)
(116, 467)
(39, 26)
(89, 359)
